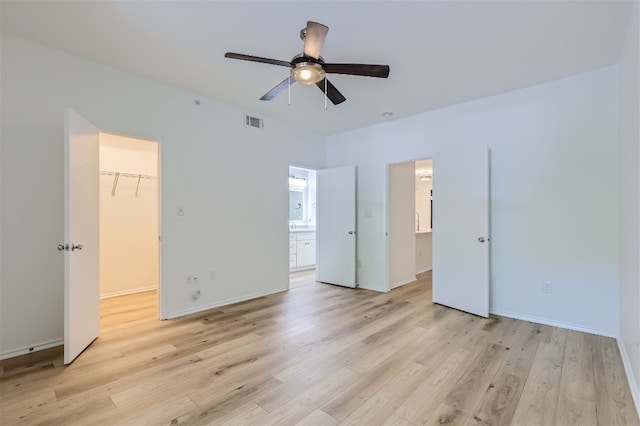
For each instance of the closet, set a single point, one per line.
(128, 215)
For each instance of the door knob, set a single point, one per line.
(63, 247)
(75, 247)
(351, 232)
(481, 239)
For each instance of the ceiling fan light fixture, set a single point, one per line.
(307, 73)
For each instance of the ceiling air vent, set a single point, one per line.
(256, 122)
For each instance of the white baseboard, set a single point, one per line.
(373, 288)
(126, 292)
(633, 385)
(29, 349)
(302, 268)
(559, 324)
(225, 302)
(401, 283)
(424, 270)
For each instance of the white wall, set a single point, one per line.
(424, 252)
(128, 220)
(629, 175)
(554, 193)
(229, 223)
(401, 230)
(311, 198)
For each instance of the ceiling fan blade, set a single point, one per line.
(257, 59)
(279, 88)
(381, 71)
(333, 94)
(314, 39)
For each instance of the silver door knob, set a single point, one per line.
(350, 232)
(75, 247)
(63, 247)
(481, 239)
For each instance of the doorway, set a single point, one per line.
(129, 229)
(302, 226)
(409, 223)
(424, 217)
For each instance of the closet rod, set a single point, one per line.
(116, 176)
(132, 175)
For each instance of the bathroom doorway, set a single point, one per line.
(302, 226)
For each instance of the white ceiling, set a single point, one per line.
(440, 52)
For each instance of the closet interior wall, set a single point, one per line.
(128, 215)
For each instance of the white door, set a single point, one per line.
(81, 234)
(401, 224)
(461, 230)
(336, 232)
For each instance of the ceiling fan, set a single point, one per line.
(310, 68)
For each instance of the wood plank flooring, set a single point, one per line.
(321, 355)
(304, 278)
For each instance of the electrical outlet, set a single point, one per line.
(547, 288)
(196, 295)
(212, 275)
(180, 210)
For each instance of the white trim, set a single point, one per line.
(633, 385)
(373, 288)
(401, 283)
(126, 292)
(430, 268)
(30, 349)
(202, 308)
(553, 323)
(302, 268)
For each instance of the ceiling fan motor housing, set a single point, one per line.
(307, 70)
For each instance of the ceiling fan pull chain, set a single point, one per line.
(325, 94)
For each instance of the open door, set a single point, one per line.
(461, 230)
(336, 232)
(81, 233)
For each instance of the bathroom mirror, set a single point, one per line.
(295, 206)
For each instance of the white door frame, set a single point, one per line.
(162, 303)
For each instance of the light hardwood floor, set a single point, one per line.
(302, 278)
(321, 355)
